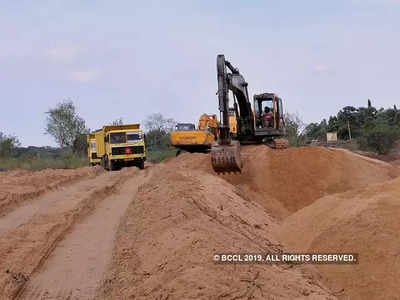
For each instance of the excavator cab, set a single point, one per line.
(185, 127)
(264, 110)
(271, 103)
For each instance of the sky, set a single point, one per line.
(130, 59)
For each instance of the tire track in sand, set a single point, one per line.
(55, 201)
(75, 268)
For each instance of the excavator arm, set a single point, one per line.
(235, 82)
(225, 156)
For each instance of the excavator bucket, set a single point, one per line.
(226, 158)
(279, 144)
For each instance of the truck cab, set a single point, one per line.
(121, 145)
(92, 153)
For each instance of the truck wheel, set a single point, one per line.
(106, 163)
(111, 165)
(103, 162)
(141, 165)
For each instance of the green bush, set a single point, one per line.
(40, 163)
(379, 138)
(160, 154)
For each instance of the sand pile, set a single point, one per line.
(20, 185)
(365, 221)
(180, 219)
(284, 181)
(336, 201)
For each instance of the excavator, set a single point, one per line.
(263, 125)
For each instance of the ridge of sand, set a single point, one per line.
(364, 221)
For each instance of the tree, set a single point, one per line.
(315, 131)
(332, 124)
(157, 131)
(294, 129)
(64, 124)
(158, 122)
(80, 145)
(347, 117)
(374, 129)
(379, 137)
(8, 144)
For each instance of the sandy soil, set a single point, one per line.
(26, 245)
(180, 219)
(364, 221)
(75, 268)
(153, 234)
(284, 181)
(20, 185)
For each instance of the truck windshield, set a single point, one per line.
(133, 136)
(117, 137)
(93, 145)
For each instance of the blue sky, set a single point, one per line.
(130, 59)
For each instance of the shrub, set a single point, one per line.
(379, 137)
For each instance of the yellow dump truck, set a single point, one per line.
(121, 145)
(92, 154)
(187, 137)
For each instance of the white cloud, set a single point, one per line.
(63, 54)
(85, 76)
(321, 68)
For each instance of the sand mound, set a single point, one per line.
(186, 214)
(365, 221)
(396, 163)
(179, 220)
(20, 185)
(284, 181)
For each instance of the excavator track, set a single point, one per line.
(279, 144)
(226, 158)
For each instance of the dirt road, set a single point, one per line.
(57, 246)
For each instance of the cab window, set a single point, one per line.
(117, 138)
(134, 136)
(185, 127)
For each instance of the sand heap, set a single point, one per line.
(336, 201)
(284, 181)
(364, 221)
(165, 246)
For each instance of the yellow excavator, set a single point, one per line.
(186, 137)
(263, 125)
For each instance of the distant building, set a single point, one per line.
(331, 137)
